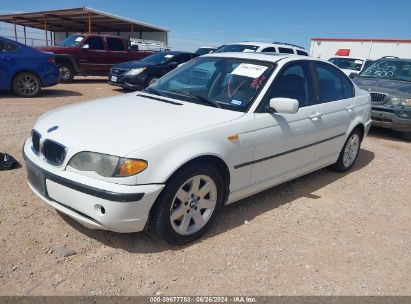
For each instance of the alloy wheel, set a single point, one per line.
(351, 150)
(28, 85)
(65, 73)
(193, 204)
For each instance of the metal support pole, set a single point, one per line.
(45, 29)
(89, 23)
(15, 29)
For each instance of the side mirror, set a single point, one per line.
(284, 105)
(173, 64)
(353, 75)
(85, 46)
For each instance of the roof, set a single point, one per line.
(362, 39)
(273, 57)
(265, 44)
(77, 20)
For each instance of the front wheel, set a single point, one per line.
(26, 85)
(188, 205)
(349, 152)
(66, 72)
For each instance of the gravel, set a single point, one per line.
(322, 234)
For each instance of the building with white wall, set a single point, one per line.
(325, 48)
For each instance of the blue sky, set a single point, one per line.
(197, 23)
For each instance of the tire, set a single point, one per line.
(177, 217)
(27, 85)
(66, 72)
(349, 152)
(406, 135)
(151, 80)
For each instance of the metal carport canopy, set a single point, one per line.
(83, 19)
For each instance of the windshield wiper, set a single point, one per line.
(202, 98)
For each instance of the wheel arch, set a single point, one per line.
(61, 58)
(210, 159)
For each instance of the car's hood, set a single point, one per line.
(394, 88)
(133, 65)
(122, 124)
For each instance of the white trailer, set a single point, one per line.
(326, 48)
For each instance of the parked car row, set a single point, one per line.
(25, 70)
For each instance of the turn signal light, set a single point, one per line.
(51, 60)
(131, 167)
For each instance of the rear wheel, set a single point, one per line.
(26, 85)
(66, 72)
(188, 205)
(349, 152)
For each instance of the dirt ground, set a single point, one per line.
(322, 234)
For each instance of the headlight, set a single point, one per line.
(399, 101)
(107, 165)
(133, 72)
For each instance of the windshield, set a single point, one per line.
(348, 63)
(227, 83)
(72, 41)
(158, 58)
(389, 69)
(237, 48)
(203, 51)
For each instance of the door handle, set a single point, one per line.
(350, 108)
(315, 116)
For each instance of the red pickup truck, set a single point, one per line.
(91, 55)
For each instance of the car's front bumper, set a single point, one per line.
(114, 207)
(135, 83)
(391, 118)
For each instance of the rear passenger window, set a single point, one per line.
(270, 50)
(294, 82)
(95, 43)
(333, 85)
(6, 46)
(302, 53)
(285, 50)
(115, 44)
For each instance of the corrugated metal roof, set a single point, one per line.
(77, 20)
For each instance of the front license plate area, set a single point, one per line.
(113, 78)
(36, 180)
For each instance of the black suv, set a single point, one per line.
(389, 82)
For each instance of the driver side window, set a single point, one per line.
(294, 82)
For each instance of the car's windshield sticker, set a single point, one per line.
(249, 70)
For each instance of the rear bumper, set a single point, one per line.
(118, 208)
(390, 120)
(50, 76)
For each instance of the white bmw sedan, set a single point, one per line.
(213, 131)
